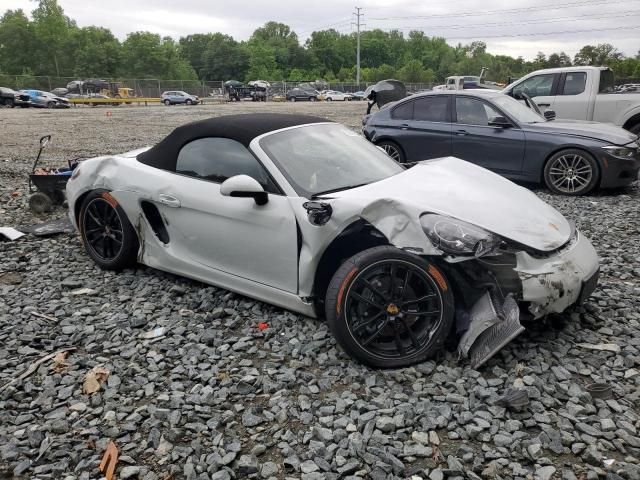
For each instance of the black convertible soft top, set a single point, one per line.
(242, 128)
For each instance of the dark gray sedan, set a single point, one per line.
(501, 134)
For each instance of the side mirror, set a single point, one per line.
(244, 186)
(501, 122)
(549, 115)
(44, 140)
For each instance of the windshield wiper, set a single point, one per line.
(339, 189)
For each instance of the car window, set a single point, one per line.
(537, 86)
(471, 111)
(216, 159)
(404, 111)
(431, 109)
(574, 83)
(606, 81)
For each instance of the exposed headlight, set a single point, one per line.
(622, 152)
(457, 237)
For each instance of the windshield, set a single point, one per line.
(517, 110)
(323, 158)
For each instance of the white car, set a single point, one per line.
(333, 95)
(308, 215)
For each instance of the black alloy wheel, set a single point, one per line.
(391, 308)
(108, 236)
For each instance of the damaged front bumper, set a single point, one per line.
(551, 284)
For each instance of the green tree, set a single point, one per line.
(412, 72)
(52, 30)
(193, 49)
(17, 43)
(147, 55)
(96, 52)
(224, 59)
(599, 55)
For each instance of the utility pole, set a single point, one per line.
(358, 24)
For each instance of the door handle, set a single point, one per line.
(404, 126)
(169, 200)
(544, 104)
(461, 133)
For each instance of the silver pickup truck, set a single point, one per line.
(580, 93)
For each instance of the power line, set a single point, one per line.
(563, 32)
(587, 17)
(510, 10)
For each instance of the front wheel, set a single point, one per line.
(189, 102)
(571, 172)
(389, 308)
(107, 235)
(312, 99)
(51, 104)
(635, 129)
(293, 99)
(328, 99)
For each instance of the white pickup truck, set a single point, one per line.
(580, 93)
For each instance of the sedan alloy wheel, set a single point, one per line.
(571, 172)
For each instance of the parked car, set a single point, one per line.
(298, 94)
(174, 97)
(498, 132)
(41, 99)
(581, 93)
(331, 95)
(11, 98)
(359, 95)
(307, 215)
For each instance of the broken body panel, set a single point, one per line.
(272, 252)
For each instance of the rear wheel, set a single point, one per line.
(571, 172)
(389, 308)
(167, 102)
(293, 99)
(393, 150)
(108, 236)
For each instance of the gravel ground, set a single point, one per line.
(217, 397)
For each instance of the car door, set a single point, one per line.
(573, 98)
(497, 148)
(230, 234)
(541, 88)
(423, 127)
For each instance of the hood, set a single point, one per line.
(605, 132)
(459, 189)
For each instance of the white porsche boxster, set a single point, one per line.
(308, 215)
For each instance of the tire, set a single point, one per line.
(167, 102)
(312, 99)
(9, 102)
(293, 99)
(189, 102)
(393, 150)
(328, 99)
(40, 203)
(388, 332)
(635, 129)
(108, 236)
(51, 105)
(571, 172)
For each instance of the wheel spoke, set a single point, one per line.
(392, 280)
(412, 335)
(422, 313)
(405, 284)
(367, 300)
(398, 340)
(368, 322)
(418, 300)
(374, 289)
(375, 334)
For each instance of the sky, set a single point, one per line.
(509, 27)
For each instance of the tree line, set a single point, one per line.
(51, 43)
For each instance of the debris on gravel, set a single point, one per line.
(187, 385)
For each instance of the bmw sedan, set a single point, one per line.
(501, 134)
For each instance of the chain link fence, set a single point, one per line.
(151, 87)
